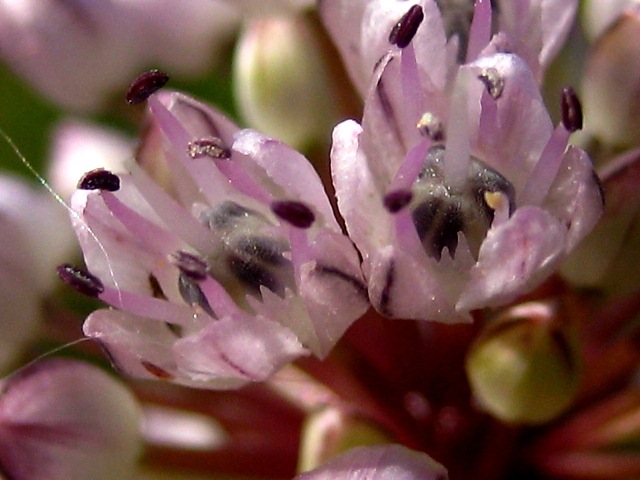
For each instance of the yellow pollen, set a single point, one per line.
(495, 200)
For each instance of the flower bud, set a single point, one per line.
(610, 85)
(608, 258)
(598, 15)
(281, 81)
(524, 368)
(331, 431)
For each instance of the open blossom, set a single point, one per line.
(459, 201)
(533, 29)
(219, 250)
(66, 420)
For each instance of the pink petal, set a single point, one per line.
(381, 462)
(359, 194)
(288, 169)
(515, 143)
(237, 350)
(514, 258)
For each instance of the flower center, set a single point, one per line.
(252, 255)
(440, 212)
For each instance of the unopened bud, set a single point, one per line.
(524, 368)
(331, 431)
(281, 81)
(611, 84)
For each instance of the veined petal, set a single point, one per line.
(526, 248)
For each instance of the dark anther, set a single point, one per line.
(493, 82)
(145, 85)
(191, 293)
(80, 279)
(571, 110)
(397, 200)
(99, 179)
(190, 265)
(209, 147)
(403, 32)
(296, 213)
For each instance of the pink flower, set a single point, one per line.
(65, 420)
(533, 29)
(219, 251)
(464, 200)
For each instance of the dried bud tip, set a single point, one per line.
(145, 85)
(190, 265)
(209, 147)
(80, 279)
(99, 179)
(571, 110)
(403, 32)
(296, 213)
(397, 200)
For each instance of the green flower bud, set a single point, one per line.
(282, 82)
(331, 431)
(524, 368)
(611, 83)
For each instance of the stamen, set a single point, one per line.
(296, 213)
(191, 293)
(99, 179)
(397, 200)
(430, 126)
(403, 32)
(209, 147)
(190, 265)
(493, 82)
(81, 280)
(571, 110)
(145, 85)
